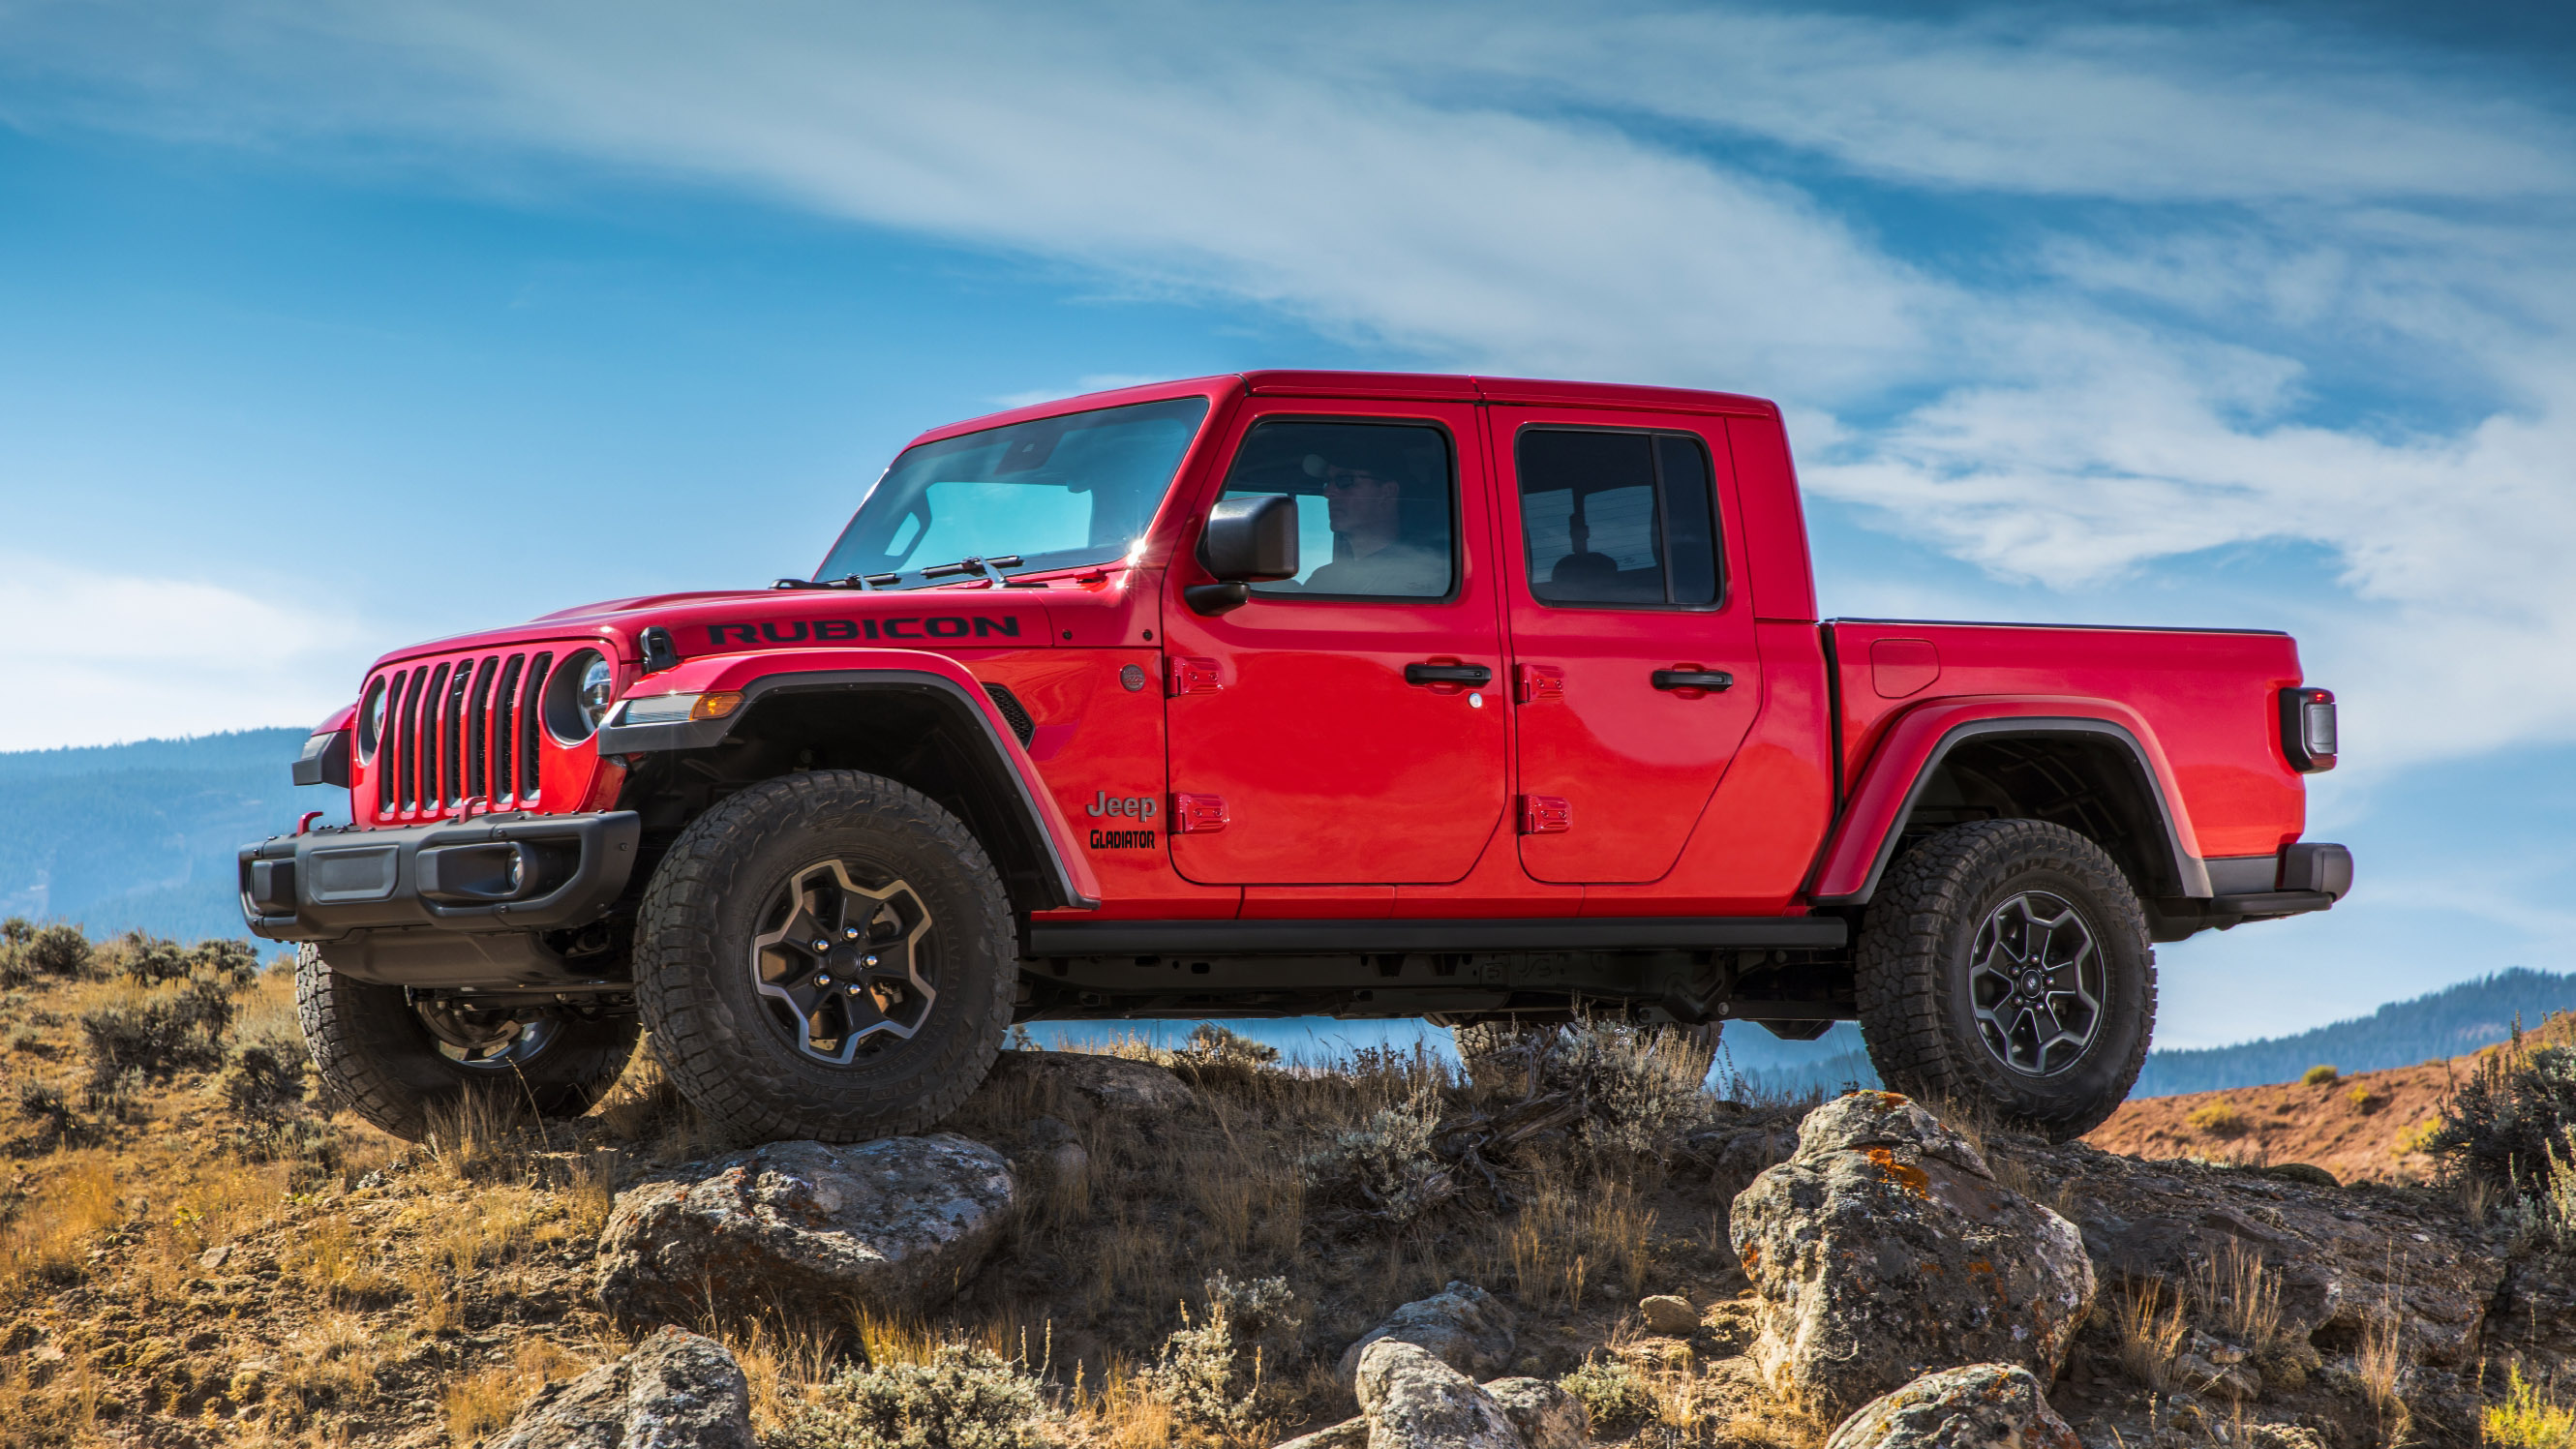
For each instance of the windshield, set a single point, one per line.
(1059, 493)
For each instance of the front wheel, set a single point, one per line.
(396, 1058)
(826, 955)
(2005, 964)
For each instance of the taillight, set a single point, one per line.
(2308, 728)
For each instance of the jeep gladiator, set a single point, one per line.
(1282, 693)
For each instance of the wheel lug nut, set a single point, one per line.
(872, 960)
(852, 990)
(822, 945)
(851, 932)
(822, 980)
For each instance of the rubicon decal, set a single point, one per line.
(901, 626)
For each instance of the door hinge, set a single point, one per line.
(1546, 815)
(1533, 682)
(1195, 676)
(1197, 814)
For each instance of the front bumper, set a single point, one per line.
(489, 874)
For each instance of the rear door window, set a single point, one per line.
(1617, 517)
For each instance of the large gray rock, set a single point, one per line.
(805, 1226)
(1462, 1325)
(1414, 1401)
(1884, 1248)
(1035, 1081)
(676, 1391)
(1547, 1416)
(1982, 1406)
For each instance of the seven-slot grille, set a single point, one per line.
(459, 730)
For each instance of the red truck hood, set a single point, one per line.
(951, 616)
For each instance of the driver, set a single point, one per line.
(1364, 507)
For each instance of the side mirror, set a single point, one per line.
(1247, 539)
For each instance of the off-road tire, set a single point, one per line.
(695, 990)
(378, 1060)
(1913, 967)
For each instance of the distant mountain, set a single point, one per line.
(142, 835)
(2446, 1023)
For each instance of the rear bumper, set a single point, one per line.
(2309, 876)
(498, 873)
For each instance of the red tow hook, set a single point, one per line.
(305, 825)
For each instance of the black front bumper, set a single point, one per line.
(489, 875)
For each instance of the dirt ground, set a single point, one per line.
(2361, 1127)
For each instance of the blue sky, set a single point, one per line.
(325, 327)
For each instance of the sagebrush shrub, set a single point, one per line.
(1212, 1051)
(235, 963)
(1219, 1372)
(57, 951)
(964, 1398)
(1641, 1088)
(157, 1033)
(1386, 1162)
(147, 958)
(1612, 1393)
(2507, 1119)
(2318, 1076)
(263, 1079)
(2219, 1119)
(16, 931)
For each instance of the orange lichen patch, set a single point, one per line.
(1913, 1179)
(1890, 1100)
(1752, 1256)
(1980, 1265)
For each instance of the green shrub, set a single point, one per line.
(2221, 1118)
(263, 1079)
(2529, 1417)
(2319, 1076)
(147, 958)
(57, 951)
(1219, 1373)
(235, 963)
(56, 1125)
(158, 1034)
(1640, 1088)
(964, 1398)
(2509, 1117)
(17, 931)
(1612, 1393)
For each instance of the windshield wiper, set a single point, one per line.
(990, 568)
(861, 582)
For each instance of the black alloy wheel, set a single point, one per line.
(2004, 966)
(826, 955)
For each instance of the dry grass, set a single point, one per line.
(2380, 1361)
(2152, 1331)
(2238, 1297)
(474, 1405)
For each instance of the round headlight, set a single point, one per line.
(578, 695)
(371, 718)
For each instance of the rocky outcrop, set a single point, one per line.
(1462, 1325)
(1414, 1401)
(805, 1226)
(1982, 1406)
(676, 1391)
(1044, 1081)
(1884, 1248)
(1547, 1416)
(1669, 1314)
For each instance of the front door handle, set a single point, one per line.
(1712, 679)
(1470, 674)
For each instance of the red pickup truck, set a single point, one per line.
(1270, 694)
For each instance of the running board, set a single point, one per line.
(1273, 938)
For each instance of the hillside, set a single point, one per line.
(142, 835)
(2446, 1023)
(2359, 1127)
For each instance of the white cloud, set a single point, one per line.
(99, 658)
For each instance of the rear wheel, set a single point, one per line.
(395, 1059)
(2005, 963)
(827, 955)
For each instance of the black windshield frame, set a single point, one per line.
(1124, 459)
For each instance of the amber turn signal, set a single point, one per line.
(717, 705)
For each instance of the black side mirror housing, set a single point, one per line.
(1247, 539)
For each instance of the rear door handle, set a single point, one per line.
(1712, 679)
(1475, 674)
